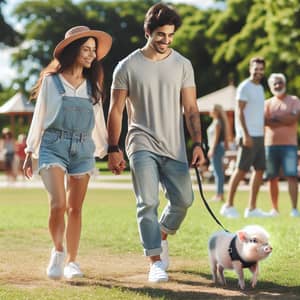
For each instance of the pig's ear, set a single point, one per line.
(242, 236)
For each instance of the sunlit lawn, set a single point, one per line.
(109, 223)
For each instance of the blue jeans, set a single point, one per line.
(217, 163)
(148, 170)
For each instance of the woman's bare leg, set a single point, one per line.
(53, 179)
(77, 187)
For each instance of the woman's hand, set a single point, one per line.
(27, 166)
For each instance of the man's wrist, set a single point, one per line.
(198, 144)
(113, 148)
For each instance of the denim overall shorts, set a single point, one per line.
(67, 142)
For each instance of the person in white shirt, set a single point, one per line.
(67, 131)
(249, 125)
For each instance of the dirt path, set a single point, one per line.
(128, 272)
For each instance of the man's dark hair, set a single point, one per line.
(259, 60)
(161, 14)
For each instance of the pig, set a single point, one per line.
(244, 249)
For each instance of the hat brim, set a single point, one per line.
(104, 41)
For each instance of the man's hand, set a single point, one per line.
(198, 158)
(247, 141)
(116, 162)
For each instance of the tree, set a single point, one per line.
(254, 27)
(8, 36)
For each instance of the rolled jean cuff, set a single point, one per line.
(166, 230)
(152, 252)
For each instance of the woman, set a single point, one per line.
(218, 135)
(9, 149)
(67, 130)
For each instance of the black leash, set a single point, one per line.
(204, 200)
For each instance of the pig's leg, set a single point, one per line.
(213, 268)
(221, 272)
(254, 270)
(237, 266)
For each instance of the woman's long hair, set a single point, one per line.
(221, 114)
(94, 74)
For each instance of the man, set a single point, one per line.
(281, 118)
(157, 83)
(249, 123)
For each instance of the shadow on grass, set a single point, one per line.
(185, 289)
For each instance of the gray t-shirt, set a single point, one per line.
(155, 113)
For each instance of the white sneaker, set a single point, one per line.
(229, 211)
(55, 267)
(72, 270)
(256, 213)
(295, 213)
(157, 272)
(273, 213)
(164, 256)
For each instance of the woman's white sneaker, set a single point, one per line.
(56, 264)
(157, 272)
(72, 270)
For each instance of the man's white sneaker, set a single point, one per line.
(164, 256)
(72, 270)
(229, 211)
(157, 272)
(273, 213)
(295, 213)
(255, 213)
(55, 267)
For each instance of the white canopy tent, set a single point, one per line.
(224, 97)
(17, 105)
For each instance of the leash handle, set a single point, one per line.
(204, 200)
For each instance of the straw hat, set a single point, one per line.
(104, 40)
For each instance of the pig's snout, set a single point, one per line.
(268, 249)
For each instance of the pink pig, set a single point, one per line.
(237, 251)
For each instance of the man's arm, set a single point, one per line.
(192, 118)
(116, 162)
(289, 118)
(247, 140)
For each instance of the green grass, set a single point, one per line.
(109, 226)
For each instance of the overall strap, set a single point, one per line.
(59, 84)
(89, 88)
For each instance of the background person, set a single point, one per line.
(9, 149)
(67, 129)
(249, 123)
(282, 113)
(20, 153)
(157, 83)
(218, 140)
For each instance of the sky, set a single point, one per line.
(7, 73)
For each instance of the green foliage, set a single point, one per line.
(219, 43)
(8, 36)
